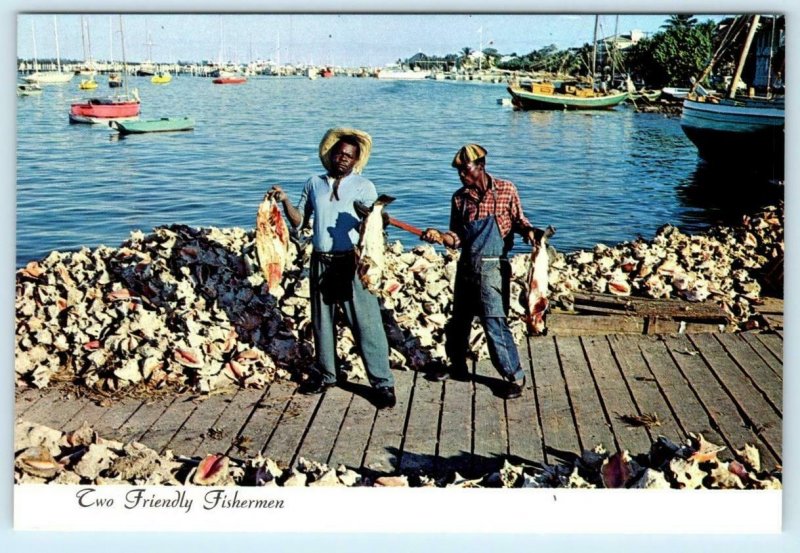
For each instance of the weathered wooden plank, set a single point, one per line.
(386, 441)
(490, 430)
(562, 324)
(422, 430)
(202, 419)
(723, 411)
(524, 431)
(756, 369)
(774, 343)
(615, 395)
(759, 415)
(56, 409)
(667, 308)
(143, 418)
(91, 413)
(647, 395)
(24, 399)
(324, 428)
(772, 360)
(227, 435)
(169, 423)
(354, 434)
(590, 416)
(691, 414)
(118, 413)
(555, 412)
(455, 436)
(285, 440)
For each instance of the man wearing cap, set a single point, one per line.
(484, 214)
(328, 199)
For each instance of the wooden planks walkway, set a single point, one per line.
(581, 392)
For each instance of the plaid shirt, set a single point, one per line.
(504, 204)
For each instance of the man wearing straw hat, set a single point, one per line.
(484, 214)
(328, 199)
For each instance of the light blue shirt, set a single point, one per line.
(335, 222)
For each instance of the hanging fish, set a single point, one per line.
(372, 246)
(538, 282)
(272, 243)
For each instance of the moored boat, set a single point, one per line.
(102, 110)
(234, 79)
(114, 80)
(28, 89)
(88, 84)
(161, 77)
(164, 124)
(562, 95)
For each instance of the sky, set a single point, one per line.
(343, 39)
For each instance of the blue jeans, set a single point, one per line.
(334, 282)
(478, 295)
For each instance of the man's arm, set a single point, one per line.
(292, 213)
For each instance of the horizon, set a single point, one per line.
(345, 40)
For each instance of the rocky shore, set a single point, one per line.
(188, 307)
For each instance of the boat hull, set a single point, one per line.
(230, 80)
(165, 124)
(531, 100)
(736, 133)
(108, 110)
(49, 77)
(88, 120)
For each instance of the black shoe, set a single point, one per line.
(449, 372)
(385, 398)
(514, 389)
(315, 387)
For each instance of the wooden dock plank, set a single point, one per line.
(757, 370)
(56, 410)
(422, 430)
(169, 423)
(321, 436)
(354, 434)
(758, 414)
(143, 418)
(774, 343)
(615, 395)
(720, 407)
(647, 395)
(26, 398)
(555, 412)
(289, 430)
(91, 413)
(226, 434)
(118, 413)
(202, 419)
(524, 430)
(691, 414)
(490, 430)
(772, 360)
(590, 416)
(455, 435)
(386, 440)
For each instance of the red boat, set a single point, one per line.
(230, 80)
(100, 110)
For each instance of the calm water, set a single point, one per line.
(596, 176)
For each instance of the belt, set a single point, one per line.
(330, 256)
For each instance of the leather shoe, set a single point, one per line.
(315, 387)
(514, 389)
(385, 397)
(445, 373)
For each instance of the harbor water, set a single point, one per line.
(598, 177)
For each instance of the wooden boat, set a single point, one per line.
(563, 96)
(98, 110)
(234, 79)
(744, 130)
(162, 77)
(645, 95)
(48, 77)
(28, 89)
(165, 124)
(674, 93)
(114, 80)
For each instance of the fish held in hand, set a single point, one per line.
(372, 246)
(272, 243)
(538, 281)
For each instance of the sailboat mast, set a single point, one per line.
(743, 56)
(83, 37)
(594, 48)
(58, 52)
(110, 42)
(35, 57)
(124, 63)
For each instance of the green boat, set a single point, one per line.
(563, 96)
(165, 124)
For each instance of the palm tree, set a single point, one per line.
(466, 52)
(679, 21)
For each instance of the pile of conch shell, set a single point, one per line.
(81, 457)
(189, 307)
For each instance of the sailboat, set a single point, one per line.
(48, 77)
(567, 94)
(746, 130)
(223, 75)
(102, 110)
(114, 78)
(147, 68)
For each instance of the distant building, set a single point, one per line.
(616, 43)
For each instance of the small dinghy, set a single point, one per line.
(165, 124)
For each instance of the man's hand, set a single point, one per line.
(432, 236)
(276, 193)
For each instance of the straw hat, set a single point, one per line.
(468, 153)
(332, 137)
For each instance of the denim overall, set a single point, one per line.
(483, 273)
